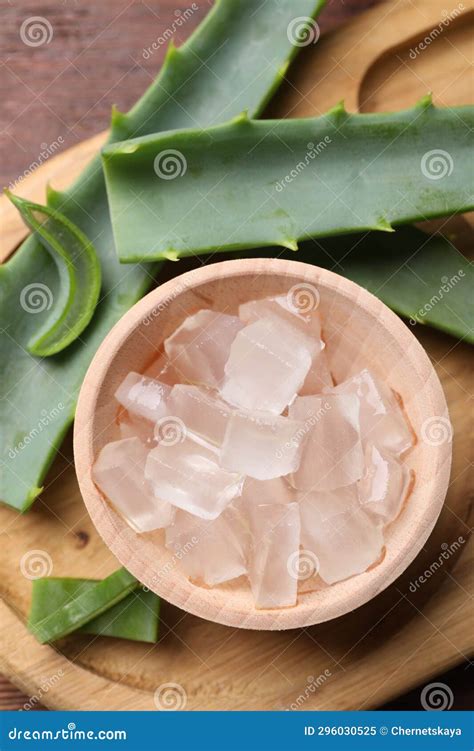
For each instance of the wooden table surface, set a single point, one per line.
(61, 92)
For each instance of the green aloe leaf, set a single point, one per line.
(233, 60)
(425, 279)
(79, 274)
(136, 617)
(262, 183)
(421, 277)
(89, 603)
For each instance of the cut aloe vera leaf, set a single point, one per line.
(89, 603)
(248, 54)
(263, 183)
(135, 618)
(79, 277)
(422, 277)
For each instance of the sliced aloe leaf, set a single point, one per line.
(135, 618)
(79, 274)
(261, 183)
(234, 60)
(421, 277)
(88, 603)
(424, 279)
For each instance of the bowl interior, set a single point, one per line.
(359, 332)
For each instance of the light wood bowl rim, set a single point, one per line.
(346, 596)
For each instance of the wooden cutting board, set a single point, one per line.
(362, 660)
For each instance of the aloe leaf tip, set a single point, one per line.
(16, 200)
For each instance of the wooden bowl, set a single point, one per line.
(365, 333)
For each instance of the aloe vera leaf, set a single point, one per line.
(248, 53)
(235, 62)
(254, 183)
(135, 618)
(79, 274)
(422, 277)
(89, 603)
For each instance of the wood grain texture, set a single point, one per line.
(396, 641)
